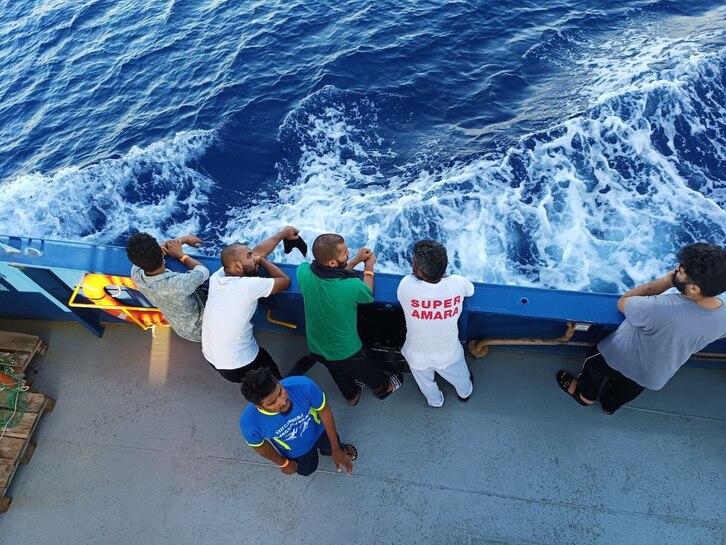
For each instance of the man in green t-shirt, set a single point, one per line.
(331, 291)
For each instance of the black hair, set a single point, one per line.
(705, 265)
(143, 251)
(257, 385)
(325, 247)
(431, 259)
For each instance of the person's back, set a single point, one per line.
(432, 304)
(227, 334)
(432, 313)
(332, 291)
(331, 312)
(175, 294)
(659, 334)
(228, 343)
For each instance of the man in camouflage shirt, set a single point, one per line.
(174, 294)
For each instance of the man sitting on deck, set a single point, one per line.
(432, 305)
(175, 294)
(331, 292)
(660, 332)
(292, 414)
(227, 339)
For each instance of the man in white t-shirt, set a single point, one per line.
(227, 339)
(432, 304)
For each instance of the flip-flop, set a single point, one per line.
(351, 451)
(353, 401)
(396, 380)
(564, 379)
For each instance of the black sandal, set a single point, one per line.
(351, 451)
(395, 382)
(564, 380)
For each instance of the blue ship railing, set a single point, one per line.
(494, 311)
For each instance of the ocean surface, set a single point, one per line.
(552, 143)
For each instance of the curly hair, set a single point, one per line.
(431, 259)
(257, 385)
(325, 247)
(143, 251)
(705, 265)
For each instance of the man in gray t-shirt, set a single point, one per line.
(660, 332)
(174, 294)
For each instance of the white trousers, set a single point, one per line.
(457, 374)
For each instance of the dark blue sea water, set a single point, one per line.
(556, 143)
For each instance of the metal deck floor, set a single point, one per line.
(143, 447)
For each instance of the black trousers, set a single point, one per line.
(303, 365)
(263, 359)
(360, 366)
(618, 391)
(308, 462)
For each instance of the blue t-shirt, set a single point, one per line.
(293, 434)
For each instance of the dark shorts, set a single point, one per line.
(361, 367)
(308, 462)
(618, 389)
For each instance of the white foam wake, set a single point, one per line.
(152, 189)
(600, 202)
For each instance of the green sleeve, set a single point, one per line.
(365, 295)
